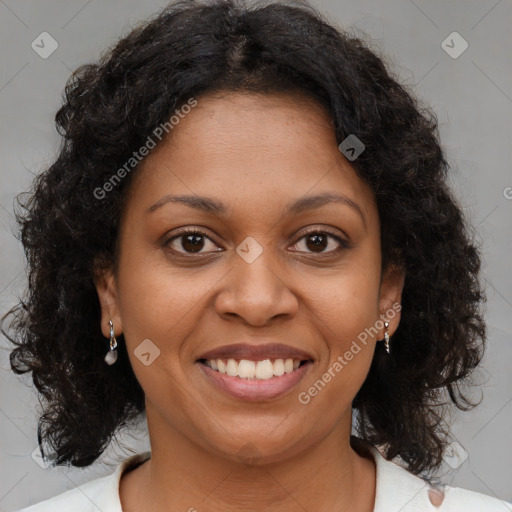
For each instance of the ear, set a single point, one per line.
(106, 288)
(390, 296)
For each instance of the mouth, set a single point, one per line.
(255, 372)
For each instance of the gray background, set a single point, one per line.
(471, 95)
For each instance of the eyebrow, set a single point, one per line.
(214, 206)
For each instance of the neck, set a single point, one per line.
(329, 475)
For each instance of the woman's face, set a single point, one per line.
(255, 277)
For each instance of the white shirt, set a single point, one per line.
(397, 490)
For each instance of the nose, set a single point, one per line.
(256, 291)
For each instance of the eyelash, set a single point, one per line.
(198, 231)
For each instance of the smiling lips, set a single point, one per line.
(255, 372)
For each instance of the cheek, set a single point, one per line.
(347, 301)
(158, 304)
(345, 307)
(343, 323)
(346, 322)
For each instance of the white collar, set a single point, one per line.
(397, 489)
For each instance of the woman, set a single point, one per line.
(247, 236)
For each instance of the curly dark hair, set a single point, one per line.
(111, 107)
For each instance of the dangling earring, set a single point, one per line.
(111, 356)
(386, 336)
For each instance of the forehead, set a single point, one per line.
(249, 149)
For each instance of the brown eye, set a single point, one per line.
(320, 242)
(191, 241)
(317, 242)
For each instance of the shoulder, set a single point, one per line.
(470, 501)
(398, 489)
(99, 494)
(85, 498)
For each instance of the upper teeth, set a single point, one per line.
(245, 368)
